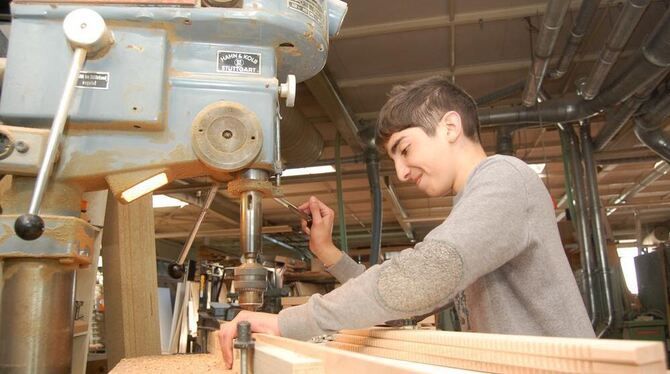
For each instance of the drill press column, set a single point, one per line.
(250, 277)
(37, 279)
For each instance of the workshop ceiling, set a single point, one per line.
(485, 46)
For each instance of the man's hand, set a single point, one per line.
(321, 231)
(260, 322)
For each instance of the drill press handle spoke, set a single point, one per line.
(87, 34)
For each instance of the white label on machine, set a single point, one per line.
(311, 8)
(238, 62)
(98, 80)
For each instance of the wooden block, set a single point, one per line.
(616, 351)
(269, 359)
(293, 300)
(131, 288)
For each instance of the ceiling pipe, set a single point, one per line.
(623, 28)
(644, 66)
(650, 127)
(546, 40)
(367, 133)
(587, 11)
(597, 224)
(505, 141)
(660, 169)
(618, 119)
(581, 217)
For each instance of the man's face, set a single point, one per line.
(423, 159)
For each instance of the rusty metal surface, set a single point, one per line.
(36, 315)
(68, 239)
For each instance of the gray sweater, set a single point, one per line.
(498, 256)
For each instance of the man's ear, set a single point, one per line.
(451, 122)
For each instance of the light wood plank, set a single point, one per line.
(603, 350)
(481, 359)
(338, 361)
(131, 289)
(269, 359)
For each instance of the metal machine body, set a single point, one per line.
(181, 91)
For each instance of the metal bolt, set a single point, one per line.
(227, 134)
(21, 146)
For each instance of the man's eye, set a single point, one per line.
(404, 151)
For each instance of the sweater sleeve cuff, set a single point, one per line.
(298, 323)
(345, 269)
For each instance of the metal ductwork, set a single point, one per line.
(623, 29)
(615, 122)
(505, 141)
(586, 13)
(367, 134)
(644, 67)
(301, 143)
(597, 225)
(650, 127)
(571, 145)
(551, 27)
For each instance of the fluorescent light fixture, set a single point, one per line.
(144, 187)
(627, 241)
(537, 168)
(164, 201)
(308, 170)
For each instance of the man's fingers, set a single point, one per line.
(304, 207)
(305, 228)
(324, 209)
(315, 209)
(227, 334)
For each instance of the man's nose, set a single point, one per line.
(402, 171)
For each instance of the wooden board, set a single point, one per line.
(131, 286)
(270, 359)
(338, 361)
(488, 361)
(520, 367)
(615, 351)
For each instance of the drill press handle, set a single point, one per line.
(87, 34)
(176, 269)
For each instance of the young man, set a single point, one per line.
(498, 255)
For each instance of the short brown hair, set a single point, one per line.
(422, 104)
